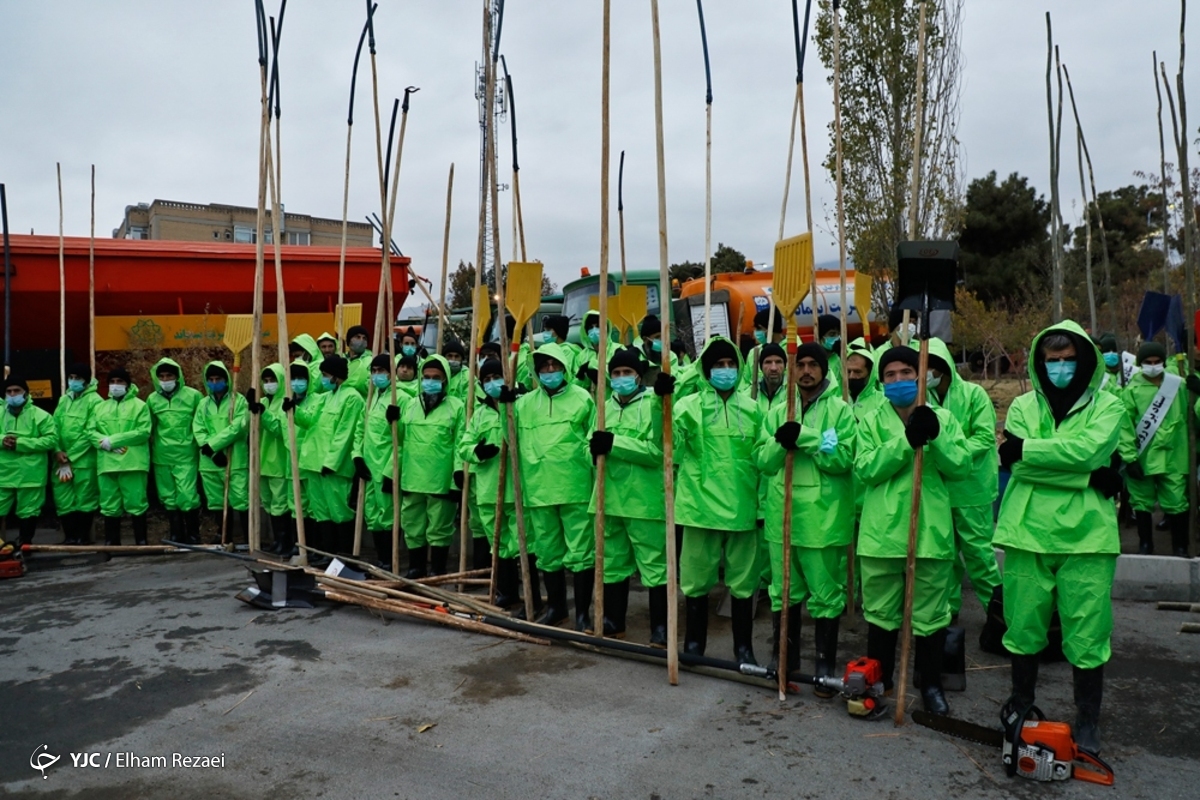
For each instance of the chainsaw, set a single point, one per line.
(861, 685)
(1037, 749)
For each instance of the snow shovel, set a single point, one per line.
(631, 302)
(239, 334)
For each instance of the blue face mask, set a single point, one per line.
(431, 386)
(381, 380)
(15, 400)
(492, 388)
(760, 337)
(656, 345)
(75, 385)
(299, 386)
(624, 385)
(594, 335)
(327, 383)
(723, 378)
(551, 380)
(409, 350)
(1060, 373)
(216, 387)
(545, 337)
(830, 341)
(1112, 359)
(901, 394)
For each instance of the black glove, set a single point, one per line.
(1134, 470)
(600, 444)
(592, 375)
(386, 488)
(581, 374)
(220, 459)
(360, 469)
(256, 408)
(392, 414)
(1193, 383)
(1012, 450)
(289, 403)
(787, 434)
(206, 450)
(923, 427)
(326, 471)
(251, 395)
(507, 395)
(664, 384)
(1107, 481)
(458, 479)
(484, 451)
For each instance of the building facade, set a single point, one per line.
(215, 222)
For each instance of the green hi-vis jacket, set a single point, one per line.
(1167, 452)
(359, 377)
(884, 464)
(588, 355)
(212, 426)
(552, 437)
(488, 425)
(633, 471)
(375, 445)
(429, 439)
(717, 486)
(333, 424)
(126, 424)
(74, 417)
(310, 346)
(1048, 506)
(822, 488)
(171, 439)
(974, 412)
(273, 456)
(25, 466)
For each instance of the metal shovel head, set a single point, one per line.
(523, 290)
(632, 302)
(481, 308)
(927, 268)
(239, 332)
(793, 273)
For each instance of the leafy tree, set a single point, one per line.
(461, 286)
(1005, 247)
(724, 259)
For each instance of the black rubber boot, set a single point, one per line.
(616, 605)
(278, 535)
(742, 623)
(534, 585)
(695, 637)
(954, 660)
(1145, 529)
(112, 531)
(1179, 535)
(991, 638)
(556, 599)
(481, 554)
(658, 616)
(191, 527)
(345, 538)
(84, 520)
(881, 646)
(175, 525)
(585, 582)
(825, 633)
(437, 559)
(795, 627)
(70, 527)
(508, 583)
(26, 528)
(241, 527)
(383, 548)
(1089, 690)
(417, 563)
(139, 530)
(930, 658)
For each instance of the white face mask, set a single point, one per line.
(116, 390)
(270, 387)
(912, 330)
(932, 381)
(167, 386)
(1152, 370)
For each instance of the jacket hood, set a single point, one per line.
(310, 346)
(939, 348)
(170, 363)
(552, 350)
(1089, 371)
(584, 341)
(221, 366)
(277, 370)
(438, 361)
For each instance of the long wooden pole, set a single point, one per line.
(1055, 233)
(708, 100)
(442, 317)
(1189, 238)
(1087, 217)
(621, 223)
(62, 291)
(1162, 174)
(808, 212)
(92, 281)
(260, 224)
(486, 120)
(664, 295)
(789, 468)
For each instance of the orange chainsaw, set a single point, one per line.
(1038, 749)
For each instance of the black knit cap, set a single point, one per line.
(1149, 350)
(454, 347)
(827, 323)
(557, 323)
(817, 353)
(357, 330)
(80, 369)
(217, 369)
(335, 367)
(408, 361)
(165, 367)
(628, 357)
(716, 350)
(119, 373)
(382, 361)
(298, 372)
(651, 325)
(491, 366)
(490, 349)
(16, 380)
(762, 319)
(771, 349)
(905, 355)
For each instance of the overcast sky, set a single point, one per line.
(164, 99)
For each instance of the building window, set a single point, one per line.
(297, 237)
(244, 234)
(137, 232)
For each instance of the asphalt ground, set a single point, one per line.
(154, 656)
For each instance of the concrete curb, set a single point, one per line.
(1151, 578)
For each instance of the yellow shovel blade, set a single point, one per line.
(351, 316)
(632, 300)
(863, 286)
(480, 308)
(239, 332)
(523, 291)
(793, 273)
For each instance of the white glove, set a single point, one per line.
(106, 444)
(829, 442)
(65, 475)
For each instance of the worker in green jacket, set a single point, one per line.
(1114, 372)
(555, 328)
(375, 449)
(772, 378)
(410, 343)
(406, 377)
(173, 450)
(327, 343)
(277, 415)
(275, 465)
(553, 422)
(897, 333)
(973, 491)
(27, 437)
(650, 344)
(888, 439)
(304, 348)
(860, 375)
(431, 427)
(121, 434)
(822, 439)
(1058, 523)
(456, 357)
(762, 320)
(635, 500)
(1154, 447)
(587, 363)
(716, 496)
(74, 478)
(829, 336)
(359, 355)
(334, 429)
(221, 427)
